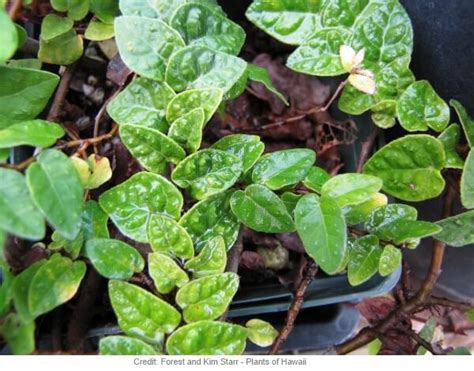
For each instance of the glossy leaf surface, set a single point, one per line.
(94, 221)
(364, 259)
(261, 333)
(36, 133)
(124, 346)
(207, 99)
(467, 182)
(450, 139)
(390, 260)
(316, 178)
(358, 213)
(466, 121)
(165, 273)
(187, 130)
(261, 75)
(211, 260)
(457, 230)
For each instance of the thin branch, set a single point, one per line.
(100, 115)
(15, 10)
(335, 95)
(366, 149)
(421, 342)
(442, 302)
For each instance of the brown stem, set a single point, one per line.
(310, 271)
(334, 96)
(442, 302)
(421, 342)
(21, 166)
(15, 9)
(100, 115)
(366, 149)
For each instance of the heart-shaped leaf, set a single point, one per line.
(114, 259)
(141, 314)
(420, 108)
(199, 24)
(261, 333)
(142, 103)
(131, 204)
(261, 75)
(450, 139)
(390, 260)
(76, 9)
(261, 210)
(168, 237)
(208, 297)
(410, 167)
(200, 67)
(316, 178)
(99, 31)
(466, 121)
(54, 26)
(321, 226)
(18, 214)
(248, 148)
(467, 182)
(124, 346)
(457, 230)
(351, 189)
(150, 147)
(207, 172)
(359, 213)
(166, 274)
(207, 99)
(207, 338)
(364, 257)
(187, 130)
(9, 36)
(36, 133)
(210, 218)
(92, 172)
(56, 190)
(211, 260)
(146, 44)
(279, 169)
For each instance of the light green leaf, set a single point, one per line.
(261, 210)
(261, 333)
(76, 9)
(94, 221)
(24, 92)
(197, 67)
(54, 26)
(201, 25)
(467, 182)
(410, 167)
(261, 75)
(450, 139)
(131, 204)
(141, 314)
(18, 214)
(114, 259)
(150, 147)
(71, 247)
(99, 31)
(142, 103)
(211, 260)
(168, 237)
(56, 190)
(457, 230)
(146, 44)
(36, 133)
(290, 200)
(19, 335)
(166, 274)
(187, 130)
(138, 8)
(207, 338)
(207, 172)
(207, 99)
(384, 114)
(351, 189)
(210, 218)
(359, 213)
(427, 334)
(55, 283)
(322, 228)
(364, 257)
(279, 169)
(4, 155)
(420, 108)
(208, 297)
(8, 37)
(374, 347)
(94, 171)
(316, 178)
(124, 346)
(390, 260)
(466, 121)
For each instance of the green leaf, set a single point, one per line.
(55, 283)
(351, 189)
(151, 148)
(374, 347)
(384, 216)
(322, 228)
(427, 334)
(470, 315)
(146, 44)
(316, 178)
(290, 200)
(166, 274)
(94, 221)
(56, 190)
(207, 172)
(99, 31)
(142, 103)
(141, 314)
(207, 338)
(54, 26)
(410, 167)
(131, 204)
(390, 260)
(359, 213)
(124, 346)
(261, 75)
(457, 230)
(36, 133)
(137, 7)
(168, 237)
(466, 121)
(384, 115)
(420, 108)
(19, 335)
(18, 214)
(24, 92)
(450, 139)
(201, 25)
(291, 22)
(94, 171)
(76, 9)
(210, 218)
(460, 351)
(71, 247)
(211, 260)
(9, 37)
(114, 259)
(279, 169)
(4, 155)
(197, 67)
(208, 297)
(187, 130)
(467, 182)
(207, 99)
(364, 257)
(107, 10)
(261, 210)
(261, 333)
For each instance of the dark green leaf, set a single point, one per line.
(166, 274)
(364, 257)
(261, 75)
(36, 133)
(467, 182)
(316, 179)
(390, 260)
(207, 99)
(466, 121)
(187, 130)
(94, 221)
(290, 200)
(124, 346)
(450, 139)
(107, 10)
(211, 260)
(457, 230)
